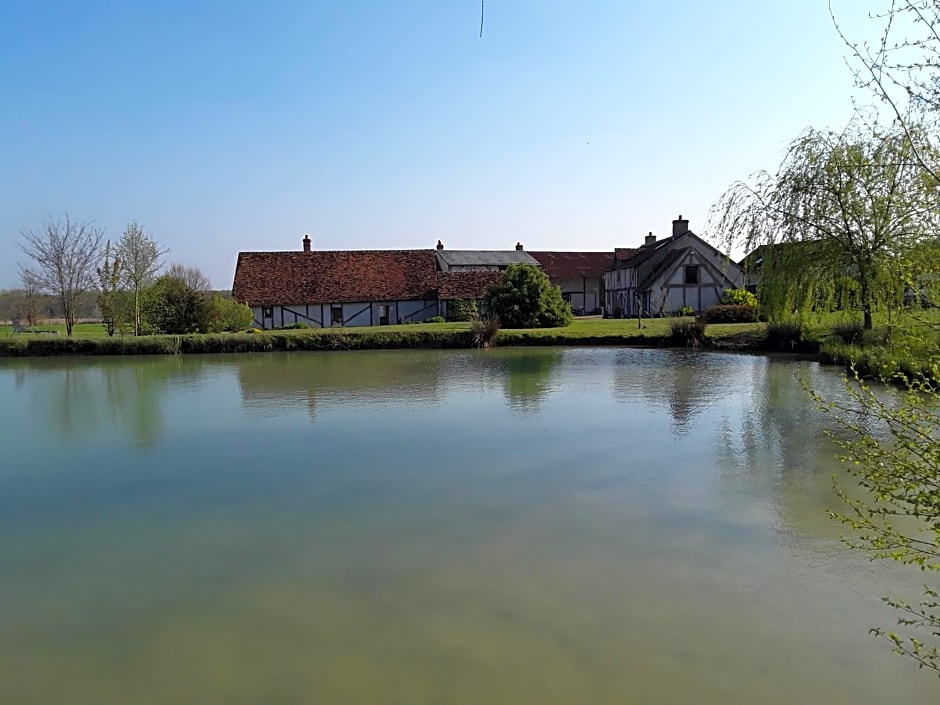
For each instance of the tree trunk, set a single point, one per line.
(136, 310)
(69, 317)
(865, 296)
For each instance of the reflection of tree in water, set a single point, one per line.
(685, 383)
(526, 376)
(286, 384)
(133, 393)
(82, 398)
(777, 445)
(778, 425)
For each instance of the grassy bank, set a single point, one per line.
(872, 357)
(906, 347)
(653, 333)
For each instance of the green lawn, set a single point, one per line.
(580, 328)
(84, 330)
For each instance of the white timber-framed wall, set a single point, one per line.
(341, 315)
(582, 293)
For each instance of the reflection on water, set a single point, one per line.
(71, 399)
(546, 526)
(527, 378)
(285, 384)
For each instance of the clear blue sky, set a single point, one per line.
(227, 126)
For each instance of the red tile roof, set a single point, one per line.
(273, 278)
(466, 285)
(574, 264)
(622, 254)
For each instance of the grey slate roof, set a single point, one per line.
(482, 258)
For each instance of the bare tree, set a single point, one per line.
(141, 258)
(191, 276)
(66, 254)
(31, 294)
(902, 67)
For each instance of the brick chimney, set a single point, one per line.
(650, 240)
(306, 243)
(519, 247)
(680, 226)
(440, 245)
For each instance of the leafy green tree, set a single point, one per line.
(851, 204)
(141, 259)
(170, 306)
(890, 447)
(526, 298)
(225, 314)
(109, 281)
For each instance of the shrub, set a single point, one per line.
(526, 298)
(731, 314)
(687, 332)
(483, 331)
(461, 310)
(686, 311)
(739, 297)
(785, 335)
(296, 326)
(849, 332)
(225, 314)
(435, 319)
(171, 306)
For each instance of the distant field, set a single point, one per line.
(84, 330)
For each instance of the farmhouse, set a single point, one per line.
(386, 287)
(664, 276)
(338, 287)
(383, 287)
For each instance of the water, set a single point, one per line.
(515, 526)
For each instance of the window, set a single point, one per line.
(691, 274)
(336, 315)
(383, 314)
(268, 312)
(566, 296)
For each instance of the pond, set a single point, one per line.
(513, 526)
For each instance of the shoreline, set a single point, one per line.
(370, 339)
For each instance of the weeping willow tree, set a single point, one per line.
(844, 212)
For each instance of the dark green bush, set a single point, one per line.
(296, 326)
(526, 298)
(435, 319)
(686, 311)
(731, 314)
(171, 306)
(461, 310)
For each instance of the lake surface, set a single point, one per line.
(513, 526)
